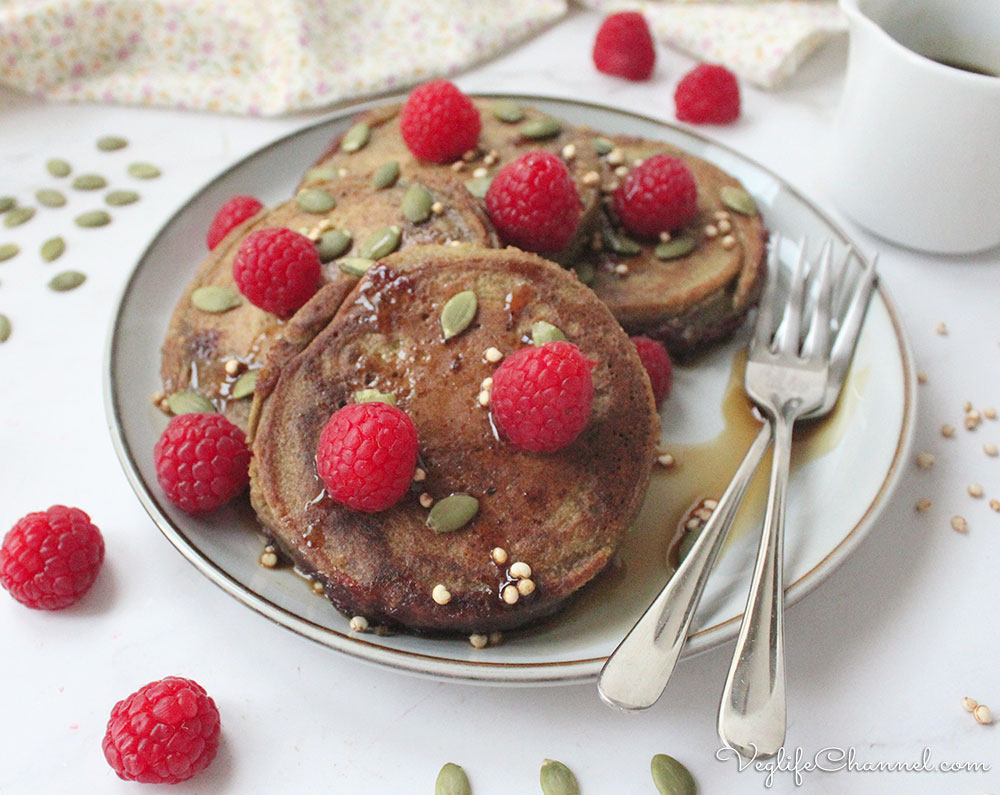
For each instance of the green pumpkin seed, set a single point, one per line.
(538, 129)
(58, 167)
(620, 245)
(508, 110)
(143, 171)
(321, 174)
(189, 402)
(214, 298)
(18, 216)
(542, 332)
(67, 280)
(48, 197)
(119, 198)
(355, 266)
(557, 779)
(738, 199)
(452, 513)
(381, 242)
(332, 244)
(4, 328)
(53, 248)
(385, 175)
(245, 385)
(111, 143)
(687, 541)
(452, 781)
(603, 145)
(6, 203)
(374, 396)
(89, 182)
(457, 313)
(478, 186)
(315, 200)
(679, 246)
(585, 271)
(8, 250)
(417, 203)
(93, 218)
(671, 777)
(356, 137)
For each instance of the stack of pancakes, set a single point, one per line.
(376, 325)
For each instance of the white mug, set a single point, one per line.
(916, 142)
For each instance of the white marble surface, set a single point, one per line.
(878, 656)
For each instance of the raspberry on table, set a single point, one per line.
(230, 215)
(624, 46)
(533, 203)
(656, 361)
(658, 195)
(541, 396)
(202, 461)
(367, 454)
(277, 270)
(49, 559)
(164, 733)
(708, 94)
(438, 122)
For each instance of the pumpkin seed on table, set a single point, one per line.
(543, 332)
(457, 313)
(738, 199)
(111, 143)
(452, 781)
(8, 250)
(188, 402)
(143, 171)
(356, 137)
(679, 246)
(4, 328)
(355, 266)
(215, 298)
(6, 203)
(18, 216)
(385, 175)
(585, 271)
(92, 218)
(603, 145)
(332, 244)
(538, 129)
(374, 396)
(508, 110)
(53, 248)
(620, 244)
(321, 174)
(416, 204)
(245, 385)
(89, 182)
(452, 513)
(671, 777)
(557, 779)
(58, 167)
(381, 242)
(119, 198)
(48, 197)
(315, 200)
(66, 281)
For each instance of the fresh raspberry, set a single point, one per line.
(708, 94)
(658, 195)
(231, 214)
(277, 270)
(367, 454)
(202, 461)
(624, 46)
(164, 733)
(656, 360)
(533, 203)
(541, 396)
(438, 122)
(49, 559)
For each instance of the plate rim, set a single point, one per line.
(486, 672)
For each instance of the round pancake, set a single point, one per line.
(500, 142)
(198, 343)
(562, 513)
(693, 300)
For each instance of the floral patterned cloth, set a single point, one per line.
(268, 57)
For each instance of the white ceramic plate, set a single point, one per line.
(835, 493)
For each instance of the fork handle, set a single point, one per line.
(752, 716)
(636, 673)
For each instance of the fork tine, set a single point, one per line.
(817, 343)
(786, 338)
(850, 327)
(764, 328)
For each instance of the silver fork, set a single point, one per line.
(637, 672)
